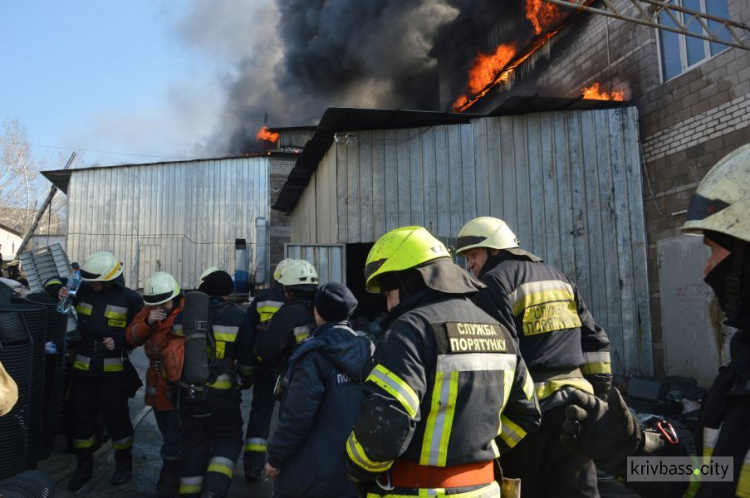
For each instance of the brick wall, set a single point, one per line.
(686, 124)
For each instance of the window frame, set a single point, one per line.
(682, 44)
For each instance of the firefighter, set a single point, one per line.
(104, 306)
(561, 344)
(449, 391)
(720, 212)
(210, 412)
(293, 322)
(259, 313)
(150, 329)
(320, 396)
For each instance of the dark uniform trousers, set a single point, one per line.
(111, 391)
(211, 441)
(261, 412)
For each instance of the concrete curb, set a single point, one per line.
(68, 471)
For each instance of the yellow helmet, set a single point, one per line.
(722, 201)
(101, 267)
(399, 250)
(486, 232)
(160, 288)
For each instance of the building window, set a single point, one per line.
(679, 53)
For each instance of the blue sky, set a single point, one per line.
(130, 77)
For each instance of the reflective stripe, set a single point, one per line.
(710, 436)
(177, 328)
(266, 309)
(123, 444)
(111, 274)
(393, 385)
(743, 483)
(535, 293)
(510, 432)
(80, 444)
(221, 465)
(475, 362)
(301, 333)
(225, 333)
(547, 389)
(113, 365)
(256, 444)
(491, 490)
(116, 312)
(440, 419)
(596, 363)
(82, 363)
(359, 457)
(508, 376)
(223, 382)
(495, 449)
(191, 485)
(84, 309)
(528, 386)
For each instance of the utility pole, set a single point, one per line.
(40, 213)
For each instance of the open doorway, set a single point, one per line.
(370, 305)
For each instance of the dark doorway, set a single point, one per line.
(370, 305)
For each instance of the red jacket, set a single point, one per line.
(154, 339)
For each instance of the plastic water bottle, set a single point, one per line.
(67, 302)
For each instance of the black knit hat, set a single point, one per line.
(218, 283)
(335, 301)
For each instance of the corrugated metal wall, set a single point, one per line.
(568, 183)
(179, 217)
(329, 260)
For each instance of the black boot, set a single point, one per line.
(123, 467)
(84, 469)
(169, 479)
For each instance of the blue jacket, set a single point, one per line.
(320, 399)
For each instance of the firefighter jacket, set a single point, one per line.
(289, 326)
(154, 339)
(104, 314)
(321, 392)
(230, 346)
(559, 339)
(264, 306)
(449, 388)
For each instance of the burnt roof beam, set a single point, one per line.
(649, 10)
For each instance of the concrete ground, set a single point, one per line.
(147, 462)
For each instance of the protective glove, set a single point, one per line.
(361, 479)
(605, 432)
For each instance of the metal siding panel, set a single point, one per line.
(418, 188)
(551, 208)
(641, 327)
(523, 199)
(354, 214)
(455, 180)
(328, 259)
(562, 160)
(333, 200)
(609, 243)
(579, 230)
(379, 185)
(469, 177)
(443, 179)
(430, 172)
(342, 179)
(366, 186)
(536, 186)
(508, 173)
(404, 178)
(495, 166)
(392, 178)
(481, 166)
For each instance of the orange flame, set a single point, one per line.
(265, 134)
(486, 70)
(593, 93)
(541, 14)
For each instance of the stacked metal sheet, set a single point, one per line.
(44, 263)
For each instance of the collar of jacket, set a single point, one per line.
(514, 253)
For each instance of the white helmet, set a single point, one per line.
(101, 267)
(298, 272)
(160, 288)
(485, 232)
(207, 272)
(722, 201)
(280, 268)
